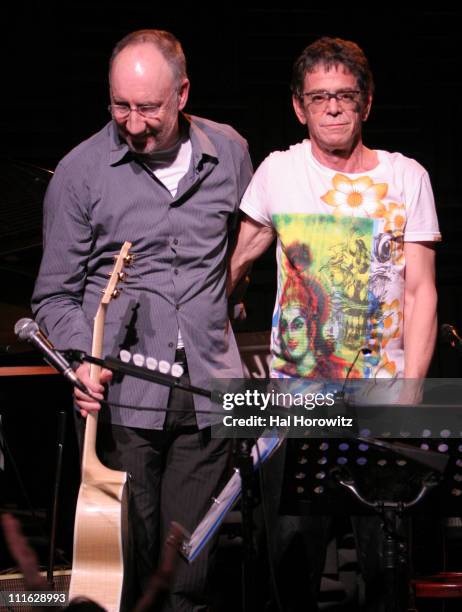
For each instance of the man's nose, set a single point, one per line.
(333, 107)
(135, 124)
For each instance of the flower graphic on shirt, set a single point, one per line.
(385, 324)
(395, 218)
(391, 321)
(395, 221)
(386, 368)
(356, 197)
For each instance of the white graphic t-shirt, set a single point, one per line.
(340, 259)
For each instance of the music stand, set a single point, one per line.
(369, 476)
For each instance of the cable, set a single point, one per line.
(154, 409)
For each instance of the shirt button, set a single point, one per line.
(177, 307)
(175, 271)
(175, 241)
(170, 344)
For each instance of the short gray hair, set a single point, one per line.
(164, 41)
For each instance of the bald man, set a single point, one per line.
(171, 184)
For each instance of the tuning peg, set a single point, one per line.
(115, 293)
(128, 259)
(125, 356)
(121, 276)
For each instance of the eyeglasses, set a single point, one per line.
(122, 111)
(320, 99)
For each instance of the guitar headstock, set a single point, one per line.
(123, 259)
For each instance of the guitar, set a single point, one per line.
(100, 520)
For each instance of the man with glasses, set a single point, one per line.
(171, 184)
(355, 229)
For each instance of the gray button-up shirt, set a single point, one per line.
(101, 196)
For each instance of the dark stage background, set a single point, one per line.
(55, 95)
(54, 76)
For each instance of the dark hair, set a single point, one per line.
(165, 42)
(330, 52)
(83, 604)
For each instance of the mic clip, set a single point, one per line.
(74, 355)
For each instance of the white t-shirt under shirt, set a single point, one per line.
(169, 167)
(340, 259)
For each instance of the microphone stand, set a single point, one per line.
(54, 512)
(244, 463)
(395, 548)
(116, 365)
(449, 334)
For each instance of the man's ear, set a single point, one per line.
(367, 108)
(299, 109)
(183, 94)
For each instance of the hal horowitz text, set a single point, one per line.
(290, 420)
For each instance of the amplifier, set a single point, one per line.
(15, 582)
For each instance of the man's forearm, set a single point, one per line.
(236, 271)
(253, 240)
(420, 328)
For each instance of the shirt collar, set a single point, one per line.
(203, 149)
(119, 151)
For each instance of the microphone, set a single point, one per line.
(364, 350)
(28, 330)
(449, 334)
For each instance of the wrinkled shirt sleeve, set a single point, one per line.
(67, 241)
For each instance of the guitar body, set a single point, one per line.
(99, 533)
(101, 515)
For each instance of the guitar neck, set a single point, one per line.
(91, 466)
(92, 469)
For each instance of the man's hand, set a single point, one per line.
(22, 553)
(411, 391)
(85, 403)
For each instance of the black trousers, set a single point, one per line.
(173, 475)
